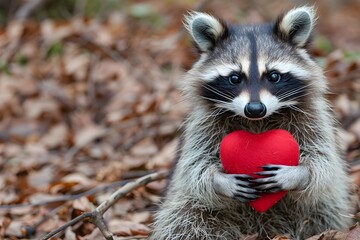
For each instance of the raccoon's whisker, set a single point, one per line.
(287, 94)
(292, 105)
(224, 95)
(215, 100)
(216, 112)
(300, 96)
(295, 108)
(291, 93)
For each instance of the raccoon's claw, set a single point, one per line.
(244, 191)
(243, 177)
(270, 167)
(269, 187)
(236, 186)
(269, 182)
(277, 178)
(246, 198)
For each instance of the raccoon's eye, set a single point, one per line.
(274, 77)
(234, 78)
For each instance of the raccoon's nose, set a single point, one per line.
(255, 110)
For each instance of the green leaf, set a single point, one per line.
(323, 44)
(21, 59)
(55, 49)
(4, 67)
(350, 56)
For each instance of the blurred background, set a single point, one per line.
(88, 97)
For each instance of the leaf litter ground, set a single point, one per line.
(87, 105)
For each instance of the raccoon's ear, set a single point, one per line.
(205, 30)
(296, 25)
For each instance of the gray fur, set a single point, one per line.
(204, 29)
(299, 22)
(197, 207)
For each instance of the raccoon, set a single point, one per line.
(255, 78)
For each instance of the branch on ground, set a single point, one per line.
(28, 8)
(96, 216)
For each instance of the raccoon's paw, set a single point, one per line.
(280, 177)
(235, 186)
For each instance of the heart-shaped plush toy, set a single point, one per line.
(242, 152)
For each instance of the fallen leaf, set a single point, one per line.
(165, 157)
(145, 147)
(83, 204)
(330, 235)
(14, 229)
(355, 128)
(128, 228)
(354, 233)
(57, 136)
(43, 177)
(280, 238)
(140, 217)
(88, 134)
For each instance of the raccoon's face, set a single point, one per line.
(253, 71)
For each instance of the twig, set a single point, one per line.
(79, 8)
(96, 216)
(67, 197)
(68, 224)
(28, 8)
(29, 231)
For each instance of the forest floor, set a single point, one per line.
(91, 104)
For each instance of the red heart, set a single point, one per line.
(242, 152)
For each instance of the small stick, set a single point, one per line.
(28, 8)
(96, 216)
(65, 198)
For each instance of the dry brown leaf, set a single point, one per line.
(83, 204)
(69, 234)
(123, 207)
(165, 157)
(347, 138)
(343, 104)
(330, 235)
(130, 162)
(128, 228)
(62, 187)
(4, 223)
(34, 108)
(88, 134)
(280, 238)
(140, 217)
(14, 229)
(51, 224)
(112, 171)
(355, 176)
(94, 235)
(354, 233)
(12, 150)
(42, 178)
(78, 178)
(355, 128)
(157, 186)
(56, 137)
(52, 32)
(145, 147)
